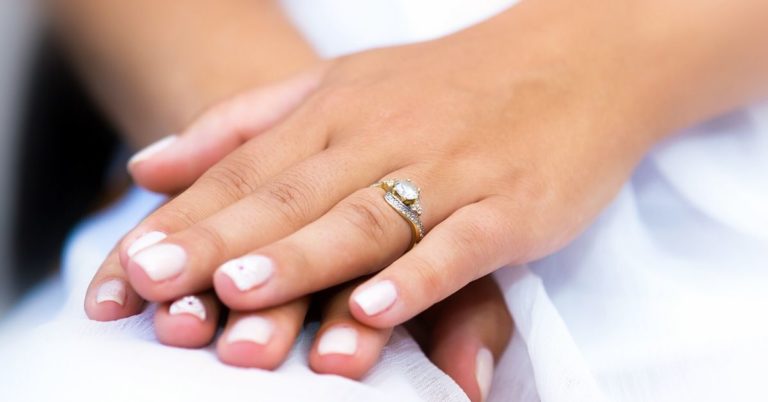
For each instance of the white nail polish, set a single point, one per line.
(112, 290)
(151, 150)
(338, 340)
(251, 329)
(144, 241)
(248, 272)
(484, 371)
(161, 261)
(376, 298)
(188, 305)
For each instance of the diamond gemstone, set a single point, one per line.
(406, 190)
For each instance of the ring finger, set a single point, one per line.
(109, 295)
(360, 235)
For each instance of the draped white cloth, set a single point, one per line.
(664, 298)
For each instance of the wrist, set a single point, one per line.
(155, 71)
(657, 66)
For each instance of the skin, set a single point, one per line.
(127, 55)
(155, 66)
(547, 138)
(546, 121)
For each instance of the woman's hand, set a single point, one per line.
(518, 130)
(462, 335)
(515, 153)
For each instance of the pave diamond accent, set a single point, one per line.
(406, 213)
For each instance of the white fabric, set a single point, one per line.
(662, 299)
(80, 360)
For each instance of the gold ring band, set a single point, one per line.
(403, 197)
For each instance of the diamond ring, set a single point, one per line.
(403, 197)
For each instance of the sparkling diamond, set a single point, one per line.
(406, 190)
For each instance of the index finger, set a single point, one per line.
(225, 183)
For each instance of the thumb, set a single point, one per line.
(175, 162)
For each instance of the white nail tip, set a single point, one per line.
(248, 272)
(376, 298)
(251, 329)
(188, 305)
(161, 261)
(144, 241)
(112, 290)
(484, 371)
(153, 149)
(339, 340)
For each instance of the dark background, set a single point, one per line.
(66, 158)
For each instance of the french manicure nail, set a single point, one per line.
(251, 329)
(376, 298)
(248, 272)
(153, 149)
(188, 305)
(484, 371)
(161, 261)
(112, 290)
(144, 241)
(338, 340)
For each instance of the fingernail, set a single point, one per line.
(144, 241)
(188, 305)
(248, 272)
(339, 340)
(151, 150)
(112, 290)
(376, 298)
(484, 371)
(251, 329)
(161, 261)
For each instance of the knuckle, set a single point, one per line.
(515, 241)
(471, 244)
(209, 238)
(290, 196)
(431, 280)
(368, 217)
(334, 98)
(171, 217)
(235, 178)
